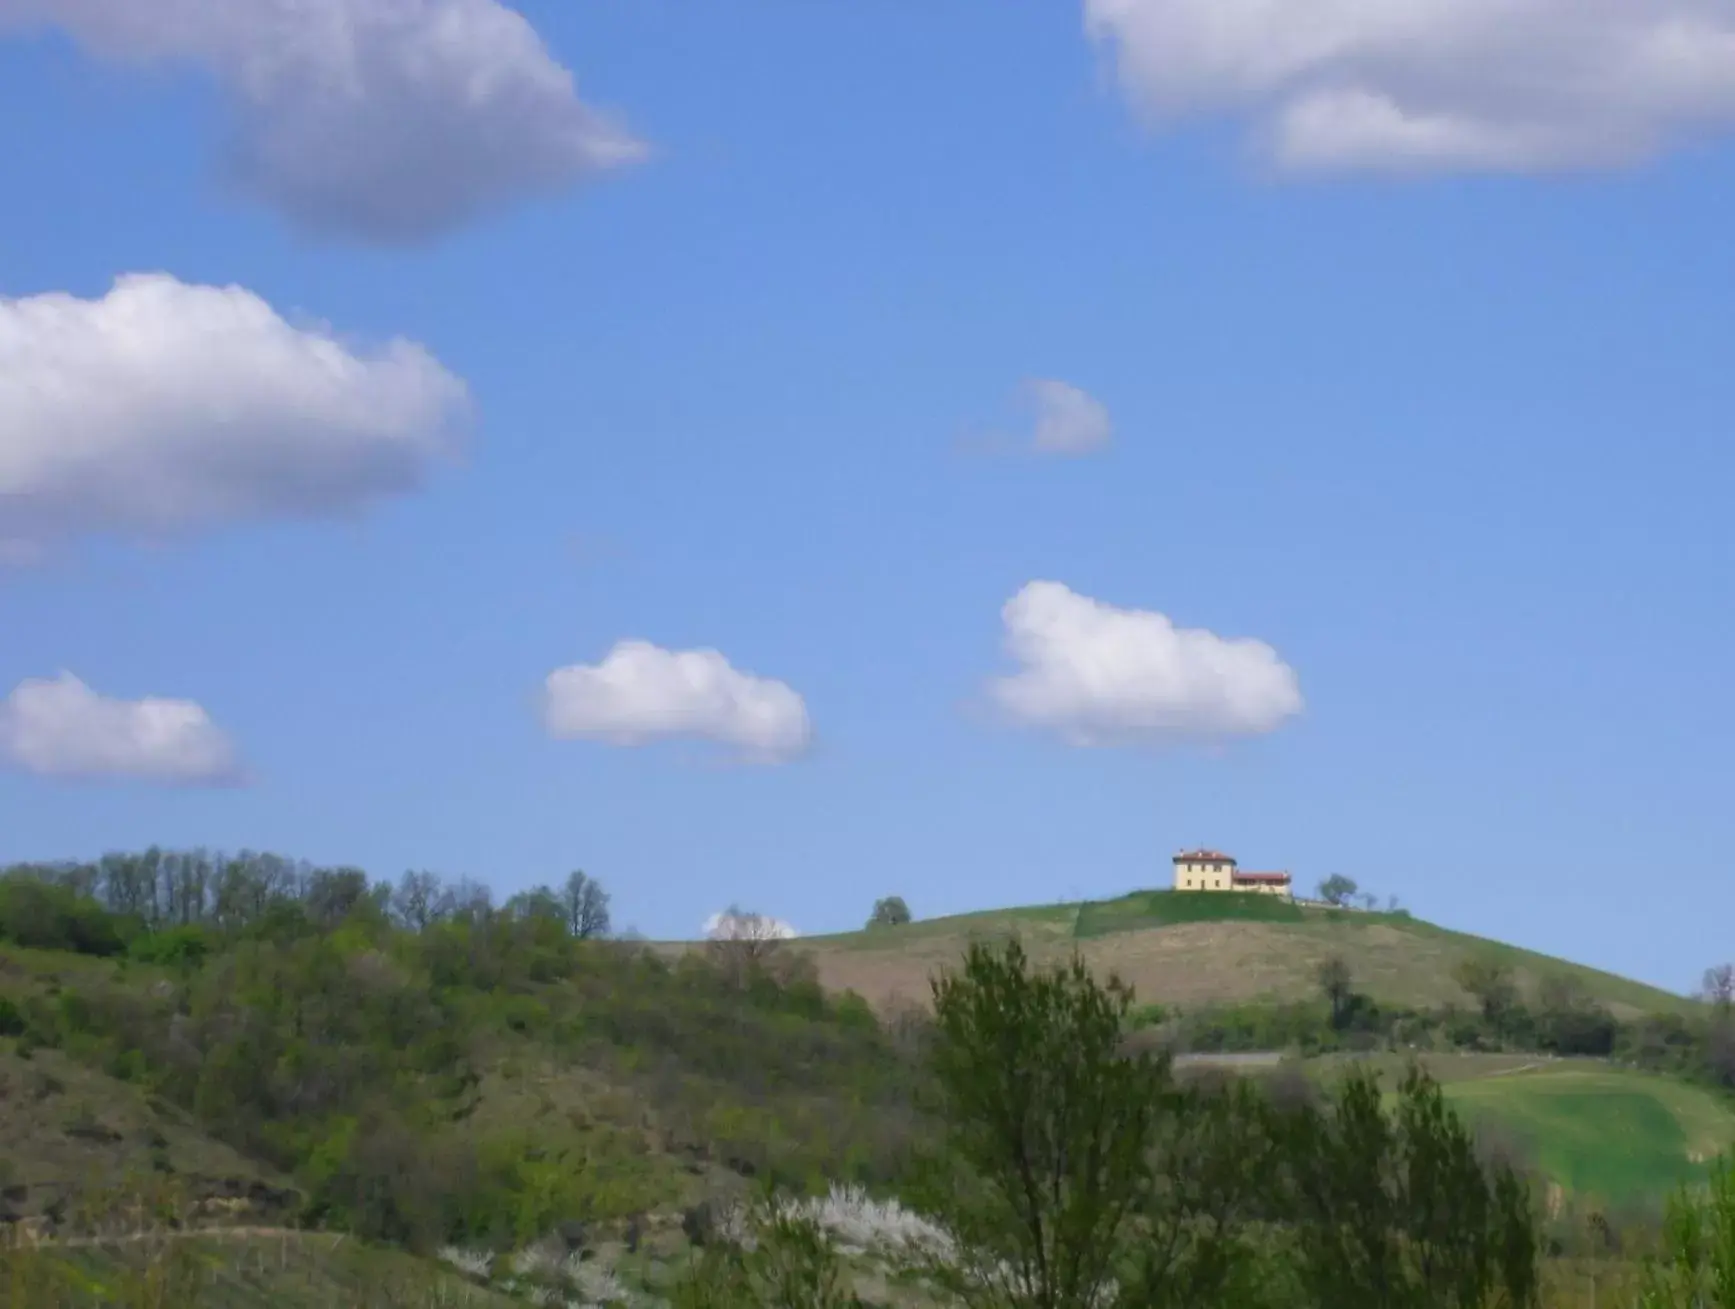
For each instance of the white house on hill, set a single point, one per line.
(1212, 870)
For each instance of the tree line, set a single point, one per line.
(157, 892)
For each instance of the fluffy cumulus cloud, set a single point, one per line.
(1099, 675)
(1434, 85)
(1068, 421)
(59, 727)
(641, 693)
(734, 925)
(376, 120)
(164, 407)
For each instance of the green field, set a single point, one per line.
(1595, 1130)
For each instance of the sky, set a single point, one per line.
(784, 453)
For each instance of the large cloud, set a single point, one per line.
(1418, 85)
(164, 407)
(59, 727)
(1098, 675)
(378, 120)
(641, 693)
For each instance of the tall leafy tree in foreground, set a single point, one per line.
(1049, 1125)
(1396, 1211)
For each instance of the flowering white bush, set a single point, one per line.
(474, 1262)
(860, 1223)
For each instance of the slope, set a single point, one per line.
(1190, 950)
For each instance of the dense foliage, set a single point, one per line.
(391, 1047)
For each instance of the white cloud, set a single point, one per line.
(641, 693)
(1068, 421)
(378, 120)
(59, 727)
(163, 407)
(734, 925)
(1098, 675)
(1434, 85)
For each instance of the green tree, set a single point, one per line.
(1048, 1123)
(1337, 889)
(1398, 1212)
(1490, 982)
(1696, 1268)
(890, 912)
(1339, 988)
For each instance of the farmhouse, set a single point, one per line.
(1212, 870)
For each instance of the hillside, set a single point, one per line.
(333, 1056)
(1190, 950)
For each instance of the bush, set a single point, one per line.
(39, 915)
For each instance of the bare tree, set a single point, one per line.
(1719, 987)
(585, 906)
(743, 943)
(416, 901)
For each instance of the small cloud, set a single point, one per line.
(61, 728)
(735, 925)
(1097, 675)
(378, 121)
(163, 408)
(1060, 420)
(1068, 421)
(1483, 86)
(641, 693)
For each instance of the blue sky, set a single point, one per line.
(1444, 425)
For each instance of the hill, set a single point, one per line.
(1191, 950)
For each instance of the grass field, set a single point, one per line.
(1192, 949)
(1597, 1131)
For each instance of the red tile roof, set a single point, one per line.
(1261, 877)
(1204, 856)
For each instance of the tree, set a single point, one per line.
(1720, 1033)
(1697, 1264)
(1490, 982)
(1719, 987)
(1400, 1211)
(1048, 1125)
(538, 904)
(1337, 889)
(1569, 1021)
(586, 906)
(415, 902)
(890, 912)
(332, 893)
(1337, 984)
(744, 943)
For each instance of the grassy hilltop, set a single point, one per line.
(1193, 949)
